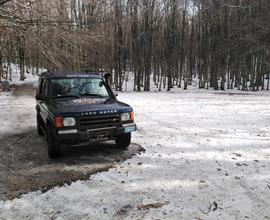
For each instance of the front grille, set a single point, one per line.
(101, 121)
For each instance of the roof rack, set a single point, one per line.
(52, 74)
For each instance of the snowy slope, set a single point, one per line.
(207, 157)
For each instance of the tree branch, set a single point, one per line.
(4, 1)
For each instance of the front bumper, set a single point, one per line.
(74, 136)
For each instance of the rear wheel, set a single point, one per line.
(54, 147)
(123, 141)
(39, 130)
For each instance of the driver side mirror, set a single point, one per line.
(39, 97)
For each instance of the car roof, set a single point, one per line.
(58, 74)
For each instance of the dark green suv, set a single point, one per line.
(80, 108)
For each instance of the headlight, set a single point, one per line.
(125, 116)
(69, 122)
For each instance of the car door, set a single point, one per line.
(43, 102)
(39, 95)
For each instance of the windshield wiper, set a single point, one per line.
(91, 94)
(66, 96)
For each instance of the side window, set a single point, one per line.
(45, 89)
(40, 86)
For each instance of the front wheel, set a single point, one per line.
(123, 141)
(54, 147)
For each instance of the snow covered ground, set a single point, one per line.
(207, 157)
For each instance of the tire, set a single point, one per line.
(123, 141)
(54, 147)
(39, 130)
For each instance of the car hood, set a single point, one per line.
(85, 105)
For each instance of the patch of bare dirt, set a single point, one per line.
(26, 167)
(24, 90)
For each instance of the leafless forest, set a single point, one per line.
(224, 44)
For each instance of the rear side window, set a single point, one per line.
(45, 89)
(40, 86)
(42, 89)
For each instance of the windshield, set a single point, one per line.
(77, 87)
